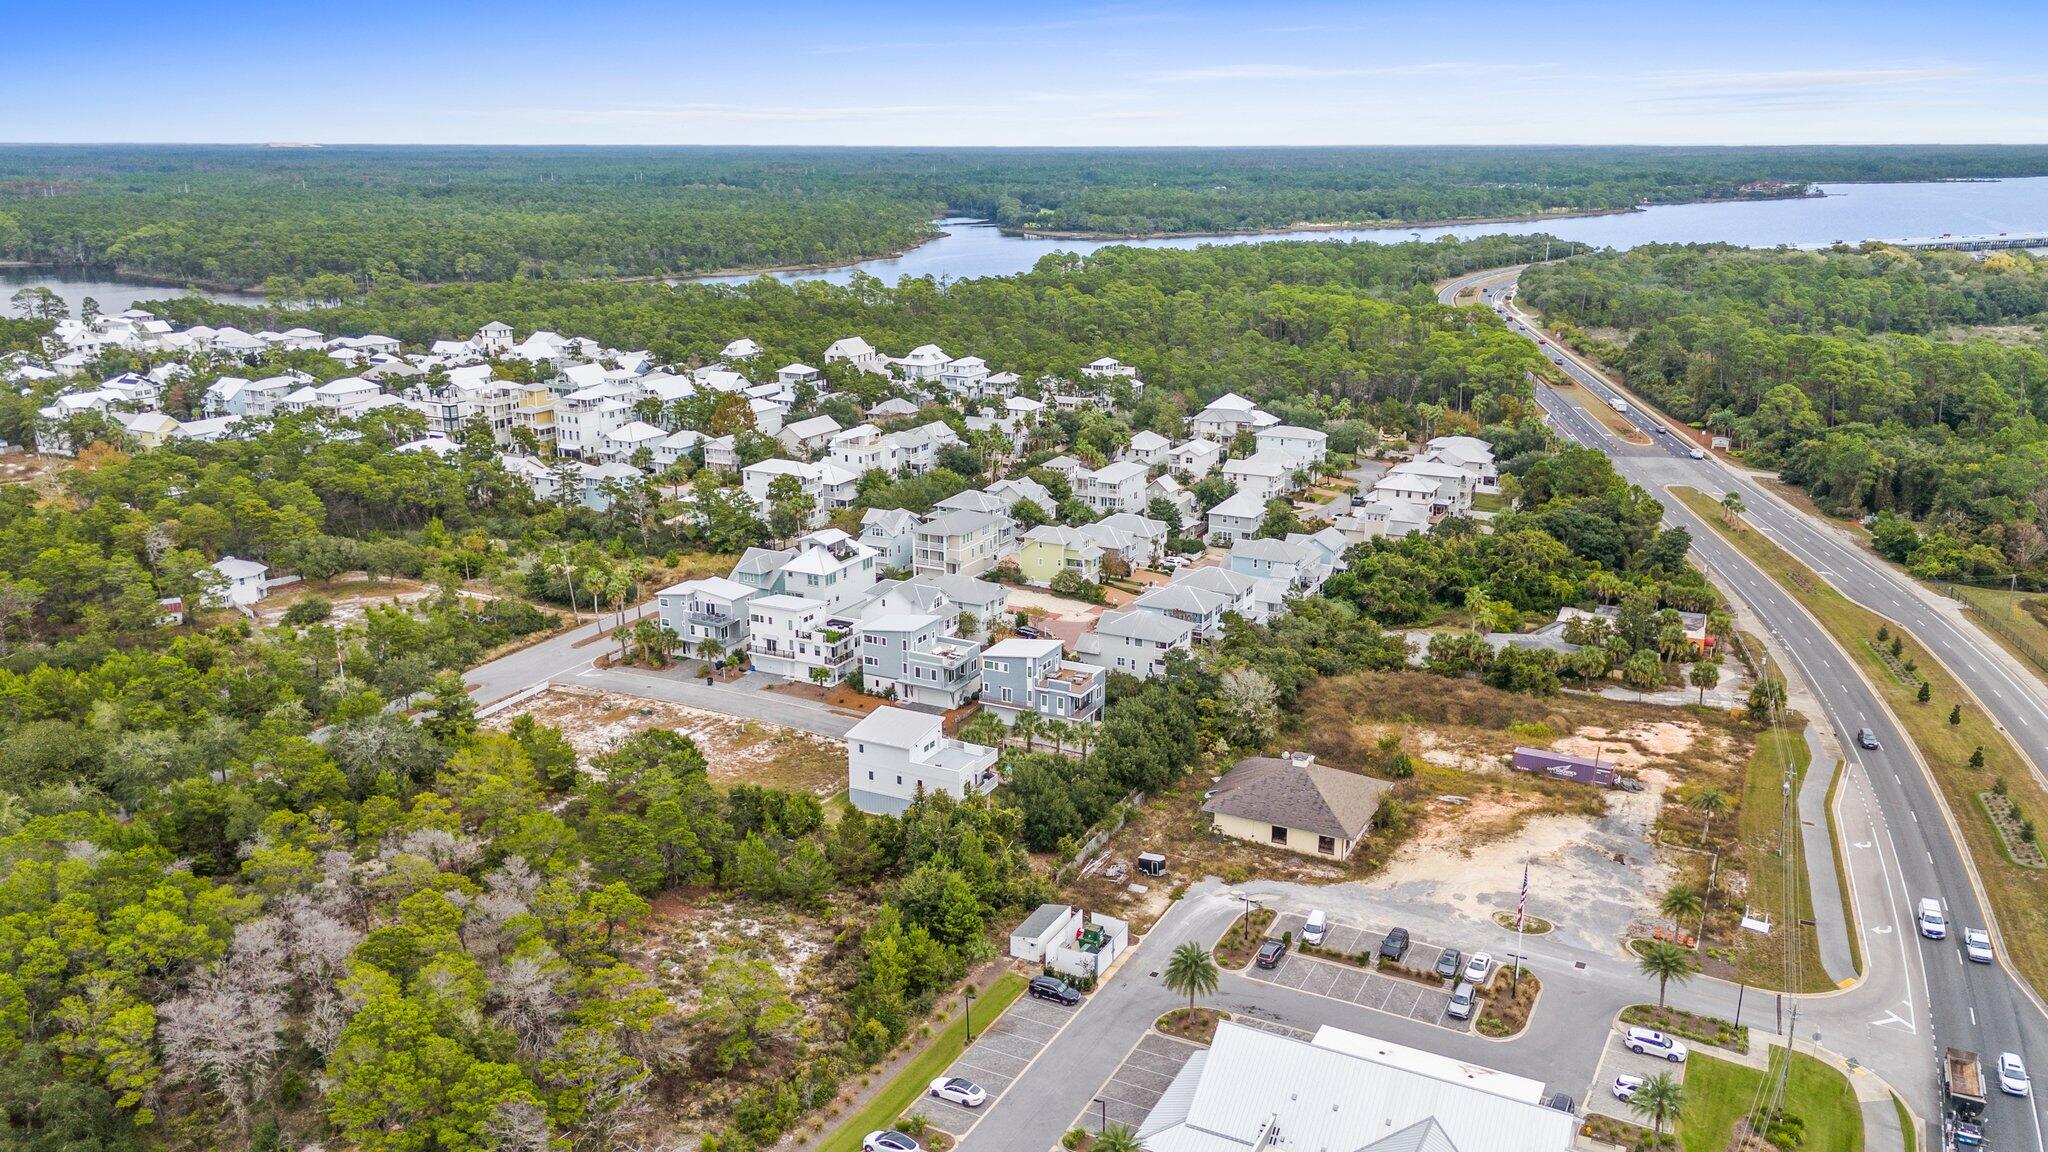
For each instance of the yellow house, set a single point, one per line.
(148, 429)
(1050, 549)
(1292, 802)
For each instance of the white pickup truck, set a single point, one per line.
(1933, 923)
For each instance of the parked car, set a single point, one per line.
(1027, 632)
(1054, 988)
(1270, 953)
(1315, 928)
(1447, 965)
(1564, 1104)
(1395, 945)
(1933, 924)
(1478, 968)
(889, 1140)
(960, 1090)
(1626, 1087)
(1865, 738)
(1463, 1000)
(1650, 1042)
(2012, 1075)
(1977, 945)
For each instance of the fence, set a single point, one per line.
(2005, 631)
(1101, 837)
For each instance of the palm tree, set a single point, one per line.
(1661, 1097)
(1191, 969)
(1667, 962)
(1682, 901)
(1117, 1138)
(1710, 802)
(1732, 506)
(1704, 674)
(1026, 726)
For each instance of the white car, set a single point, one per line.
(1626, 1087)
(1977, 945)
(1478, 968)
(1650, 1042)
(1933, 924)
(1696, 454)
(959, 1090)
(2012, 1075)
(1316, 927)
(889, 1140)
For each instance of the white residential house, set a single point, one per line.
(807, 437)
(925, 362)
(1468, 452)
(1226, 416)
(1406, 489)
(243, 582)
(1454, 484)
(1383, 516)
(1250, 597)
(1194, 459)
(1308, 445)
(492, 339)
(1235, 519)
(961, 597)
(964, 376)
(1107, 368)
(892, 408)
(621, 444)
(828, 566)
(712, 609)
(1134, 642)
(792, 375)
(895, 756)
(799, 639)
(740, 349)
(910, 658)
(1173, 492)
(859, 353)
(722, 452)
(672, 448)
(959, 542)
(1262, 475)
(892, 533)
(1118, 487)
(863, 448)
(1148, 448)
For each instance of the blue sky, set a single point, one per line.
(600, 72)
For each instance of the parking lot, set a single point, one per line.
(1138, 1082)
(1393, 994)
(1616, 1060)
(995, 1059)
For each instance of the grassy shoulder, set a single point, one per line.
(907, 1085)
(1600, 410)
(2018, 897)
(1818, 1099)
(2017, 620)
(1760, 959)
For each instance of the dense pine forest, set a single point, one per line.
(1909, 387)
(317, 223)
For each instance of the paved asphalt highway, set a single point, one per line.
(1898, 1026)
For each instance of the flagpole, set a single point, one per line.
(1521, 908)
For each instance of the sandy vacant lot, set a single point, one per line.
(739, 751)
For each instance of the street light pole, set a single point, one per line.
(967, 996)
(1105, 1115)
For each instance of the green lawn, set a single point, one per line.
(1717, 1093)
(903, 1091)
(1762, 958)
(2018, 895)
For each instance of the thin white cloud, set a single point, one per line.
(1787, 80)
(1279, 71)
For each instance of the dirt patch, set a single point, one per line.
(739, 751)
(351, 598)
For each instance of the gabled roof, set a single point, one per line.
(1242, 505)
(1312, 797)
(1140, 625)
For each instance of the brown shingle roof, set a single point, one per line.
(1311, 797)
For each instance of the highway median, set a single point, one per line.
(1969, 758)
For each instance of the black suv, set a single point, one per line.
(1270, 953)
(1054, 988)
(1865, 738)
(1395, 945)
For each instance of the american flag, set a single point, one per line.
(1524, 901)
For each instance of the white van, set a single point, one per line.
(1463, 1000)
(1312, 932)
